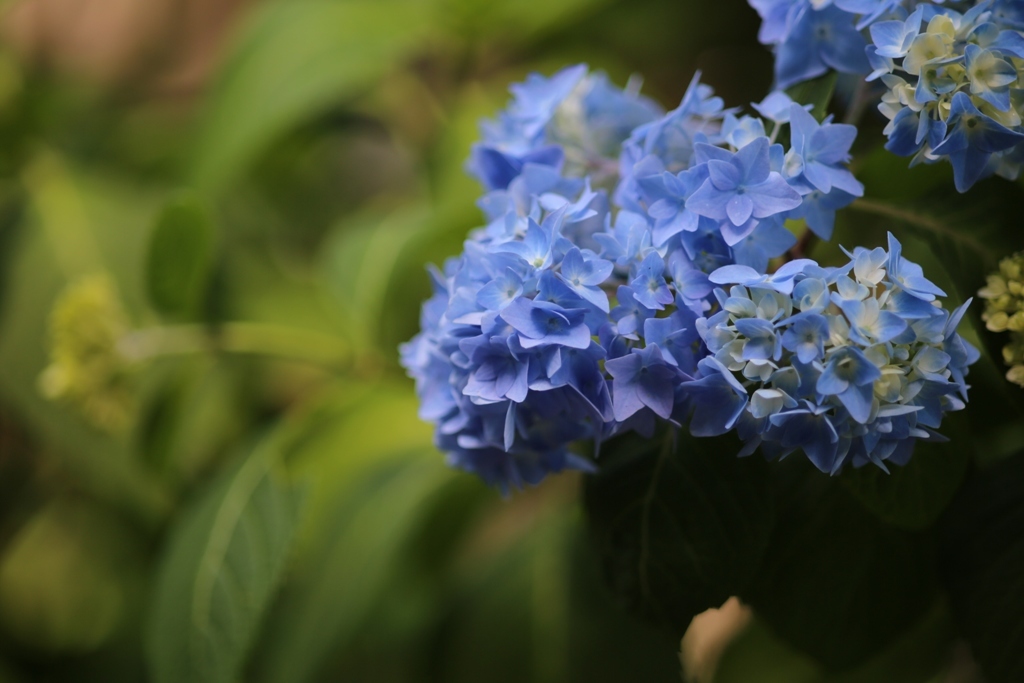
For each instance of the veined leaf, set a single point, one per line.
(913, 496)
(221, 568)
(370, 531)
(681, 526)
(837, 583)
(294, 59)
(357, 570)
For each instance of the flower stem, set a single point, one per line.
(862, 95)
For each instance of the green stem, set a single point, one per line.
(862, 96)
(237, 337)
(803, 246)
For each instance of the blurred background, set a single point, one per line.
(215, 217)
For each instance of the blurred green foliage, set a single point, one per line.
(267, 506)
(270, 508)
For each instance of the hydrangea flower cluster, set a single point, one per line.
(953, 88)
(574, 119)
(572, 315)
(951, 71)
(1004, 312)
(810, 37)
(850, 365)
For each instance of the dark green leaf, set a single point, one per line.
(293, 60)
(758, 656)
(12, 206)
(192, 409)
(180, 256)
(982, 560)
(817, 91)
(7, 675)
(680, 527)
(914, 496)
(536, 611)
(222, 565)
(836, 582)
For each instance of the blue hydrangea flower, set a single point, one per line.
(942, 63)
(809, 38)
(951, 80)
(523, 344)
(835, 362)
(505, 364)
(574, 119)
(819, 40)
(724, 196)
(741, 187)
(571, 317)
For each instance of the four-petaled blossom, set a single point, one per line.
(739, 187)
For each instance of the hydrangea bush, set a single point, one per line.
(640, 304)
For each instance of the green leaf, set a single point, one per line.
(358, 574)
(192, 410)
(680, 527)
(220, 569)
(293, 60)
(7, 675)
(758, 656)
(914, 496)
(68, 579)
(836, 582)
(982, 560)
(360, 262)
(817, 91)
(535, 610)
(522, 20)
(180, 256)
(380, 522)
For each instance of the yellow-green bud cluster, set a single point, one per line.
(1004, 311)
(86, 368)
